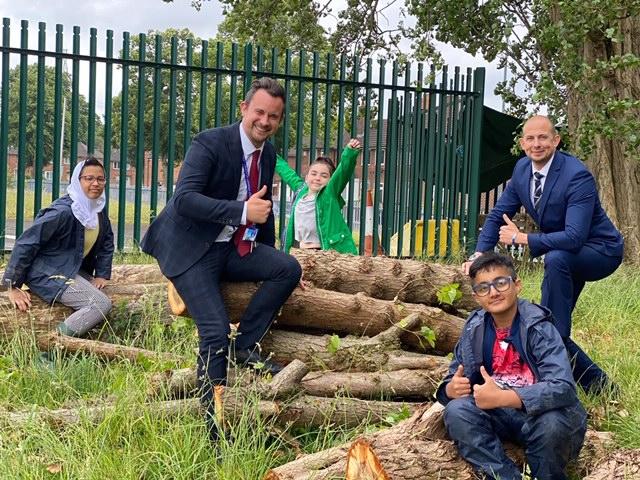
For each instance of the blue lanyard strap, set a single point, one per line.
(246, 176)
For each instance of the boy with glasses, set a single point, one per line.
(510, 379)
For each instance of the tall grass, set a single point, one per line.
(134, 442)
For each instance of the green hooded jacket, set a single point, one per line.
(332, 229)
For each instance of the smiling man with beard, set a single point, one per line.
(219, 226)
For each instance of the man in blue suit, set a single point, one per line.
(577, 239)
(219, 226)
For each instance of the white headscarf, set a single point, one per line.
(84, 209)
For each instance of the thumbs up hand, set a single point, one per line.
(258, 209)
(510, 233)
(489, 394)
(459, 386)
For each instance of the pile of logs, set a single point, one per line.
(365, 340)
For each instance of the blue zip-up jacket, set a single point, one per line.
(49, 252)
(539, 345)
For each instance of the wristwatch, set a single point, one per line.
(474, 256)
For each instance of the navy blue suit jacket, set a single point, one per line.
(205, 200)
(569, 215)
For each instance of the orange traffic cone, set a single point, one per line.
(368, 229)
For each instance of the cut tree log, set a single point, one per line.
(110, 351)
(304, 411)
(413, 384)
(412, 281)
(328, 352)
(414, 449)
(311, 308)
(43, 317)
(386, 278)
(398, 384)
(342, 313)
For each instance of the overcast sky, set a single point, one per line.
(136, 16)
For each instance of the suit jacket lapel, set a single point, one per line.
(237, 156)
(552, 178)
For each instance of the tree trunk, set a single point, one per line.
(342, 313)
(614, 165)
(51, 340)
(411, 281)
(414, 449)
(310, 308)
(304, 411)
(408, 384)
(326, 352)
(413, 384)
(43, 317)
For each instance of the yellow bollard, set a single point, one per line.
(431, 237)
(455, 237)
(443, 238)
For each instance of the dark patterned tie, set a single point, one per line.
(537, 189)
(244, 246)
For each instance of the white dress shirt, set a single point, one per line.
(247, 151)
(544, 171)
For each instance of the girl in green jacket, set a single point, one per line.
(316, 220)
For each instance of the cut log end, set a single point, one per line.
(363, 464)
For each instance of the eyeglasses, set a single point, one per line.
(90, 179)
(501, 284)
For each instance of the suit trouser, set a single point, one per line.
(199, 287)
(565, 275)
(551, 439)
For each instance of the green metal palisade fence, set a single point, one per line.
(421, 132)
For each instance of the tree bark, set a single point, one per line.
(411, 281)
(310, 308)
(398, 384)
(414, 449)
(110, 351)
(621, 465)
(342, 313)
(413, 384)
(43, 317)
(326, 352)
(304, 411)
(615, 166)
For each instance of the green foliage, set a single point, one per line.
(398, 416)
(449, 294)
(556, 53)
(428, 335)
(333, 344)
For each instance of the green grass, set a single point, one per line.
(134, 442)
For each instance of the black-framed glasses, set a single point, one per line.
(91, 179)
(501, 284)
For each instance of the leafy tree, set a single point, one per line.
(580, 60)
(49, 104)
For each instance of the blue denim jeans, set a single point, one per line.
(550, 439)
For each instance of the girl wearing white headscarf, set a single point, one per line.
(66, 255)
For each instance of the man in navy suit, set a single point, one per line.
(219, 226)
(577, 239)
